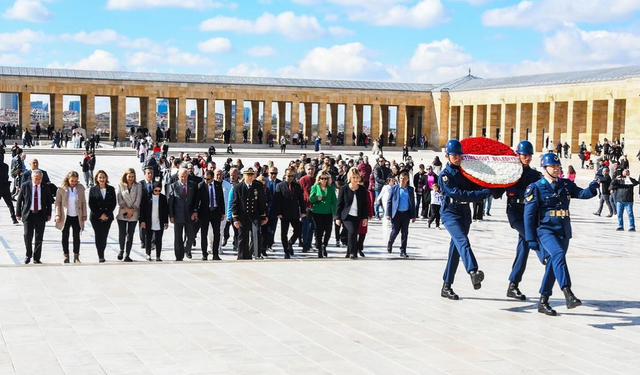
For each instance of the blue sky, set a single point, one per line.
(430, 41)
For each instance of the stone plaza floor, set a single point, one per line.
(377, 315)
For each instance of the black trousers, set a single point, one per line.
(126, 230)
(400, 224)
(426, 205)
(478, 210)
(435, 214)
(249, 229)
(324, 226)
(71, 222)
(6, 196)
(154, 236)
(181, 246)
(352, 223)
(101, 232)
(34, 224)
(284, 231)
(419, 199)
(214, 221)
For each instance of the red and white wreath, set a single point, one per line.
(489, 163)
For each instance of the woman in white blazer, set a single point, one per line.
(128, 197)
(71, 212)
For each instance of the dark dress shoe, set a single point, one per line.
(403, 254)
(27, 260)
(158, 260)
(287, 256)
(447, 292)
(320, 253)
(353, 257)
(215, 257)
(514, 292)
(361, 253)
(203, 258)
(476, 279)
(188, 255)
(15, 221)
(37, 262)
(224, 242)
(346, 255)
(179, 260)
(324, 251)
(389, 248)
(544, 307)
(121, 255)
(258, 257)
(101, 260)
(570, 298)
(66, 259)
(127, 259)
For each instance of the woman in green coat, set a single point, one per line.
(323, 199)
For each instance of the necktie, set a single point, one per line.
(290, 190)
(149, 187)
(35, 199)
(184, 188)
(212, 200)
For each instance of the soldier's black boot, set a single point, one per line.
(544, 307)
(447, 292)
(570, 298)
(476, 279)
(514, 292)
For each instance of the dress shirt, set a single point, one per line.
(403, 201)
(353, 211)
(155, 212)
(72, 201)
(33, 192)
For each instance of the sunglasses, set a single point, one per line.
(288, 176)
(324, 178)
(208, 179)
(273, 172)
(157, 190)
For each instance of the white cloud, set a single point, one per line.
(28, 10)
(474, 2)
(247, 70)
(440, 53)
(340, 31)
(286, 23)
(261, 51)
(331, 17)
(97, 37)
(21, 40)
(98, 60)
(549, 14)
(142, 61)
(11, 59)
(426, 13)
(145, 4)
(215, 45)
(346, 61)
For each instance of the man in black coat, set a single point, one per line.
(147, 192)
(5, 191)
(289, 207)
(249, 213)
(183, 213)
(211, 211)
(34, 209)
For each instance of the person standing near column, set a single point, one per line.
(183, 213)
(548, 227)
(248, 211)
(71, 212)
(401, 210)
(458, 192)
(129, 198)
(102, 202)
(34, 209)
(515, 214)
(352, 210)
(210, 212)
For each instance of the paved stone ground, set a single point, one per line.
(378, 315)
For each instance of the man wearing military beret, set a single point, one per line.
(249, 213)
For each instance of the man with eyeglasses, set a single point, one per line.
(218, 175)
(248, 212)
(272, 183)
(289, 207)
(234, 178)
(211, 211)
(147, 192)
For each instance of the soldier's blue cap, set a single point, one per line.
(549, 159)
(453, 147)
(524, 148)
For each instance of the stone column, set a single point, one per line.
(610, 117)
(375, 122)
(503, 122)
(348, 124)
(630, 124)
(593, 133)
(267, 120)
(571, 137)
(295, 117)
(254, 124)
(461, 129)
(119, 117)
(474, 121)
(282, 119)
(200, 126)
(322, 122)
(518, 125)
(308, 120)
(56, 108)
(144, 113)
(487, 121)
(359, 121)
(24, 114)
(384, 123)
(211, 121)
(182, 119)
(534, 138)
(227, 118)
(88, 110)
(152, 114)
(172, 119)
(552, 125)
(401, 128)
(239, 120)
(333, 122)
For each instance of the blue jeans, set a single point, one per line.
(307, 232)
(621, 206)
(376, 207)
(487, 204)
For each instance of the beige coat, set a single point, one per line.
(62, 204)
(130, 199)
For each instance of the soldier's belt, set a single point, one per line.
(516, 200)
(451, 200)
(557, 213)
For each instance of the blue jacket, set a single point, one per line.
(454, 185)
(393, 201)
(541, 198)
(515, 193)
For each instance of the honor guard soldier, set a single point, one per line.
(458, 192)
(515, 214)
(548, 227)
(249, 213)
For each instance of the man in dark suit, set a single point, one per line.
(34, 209)
(210, 212)
(400, 210)
(272, 183)
(249, 213)
(147, 192)
(26, 176)
(183, 213)
(289, 207)
(5, 191)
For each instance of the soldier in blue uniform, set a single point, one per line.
(515, 214)
(548, 227)
(458, 192)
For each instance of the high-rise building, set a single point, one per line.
(163, 106)
(37, 105)
(247, 114)
(74, 106)
(9, 101)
